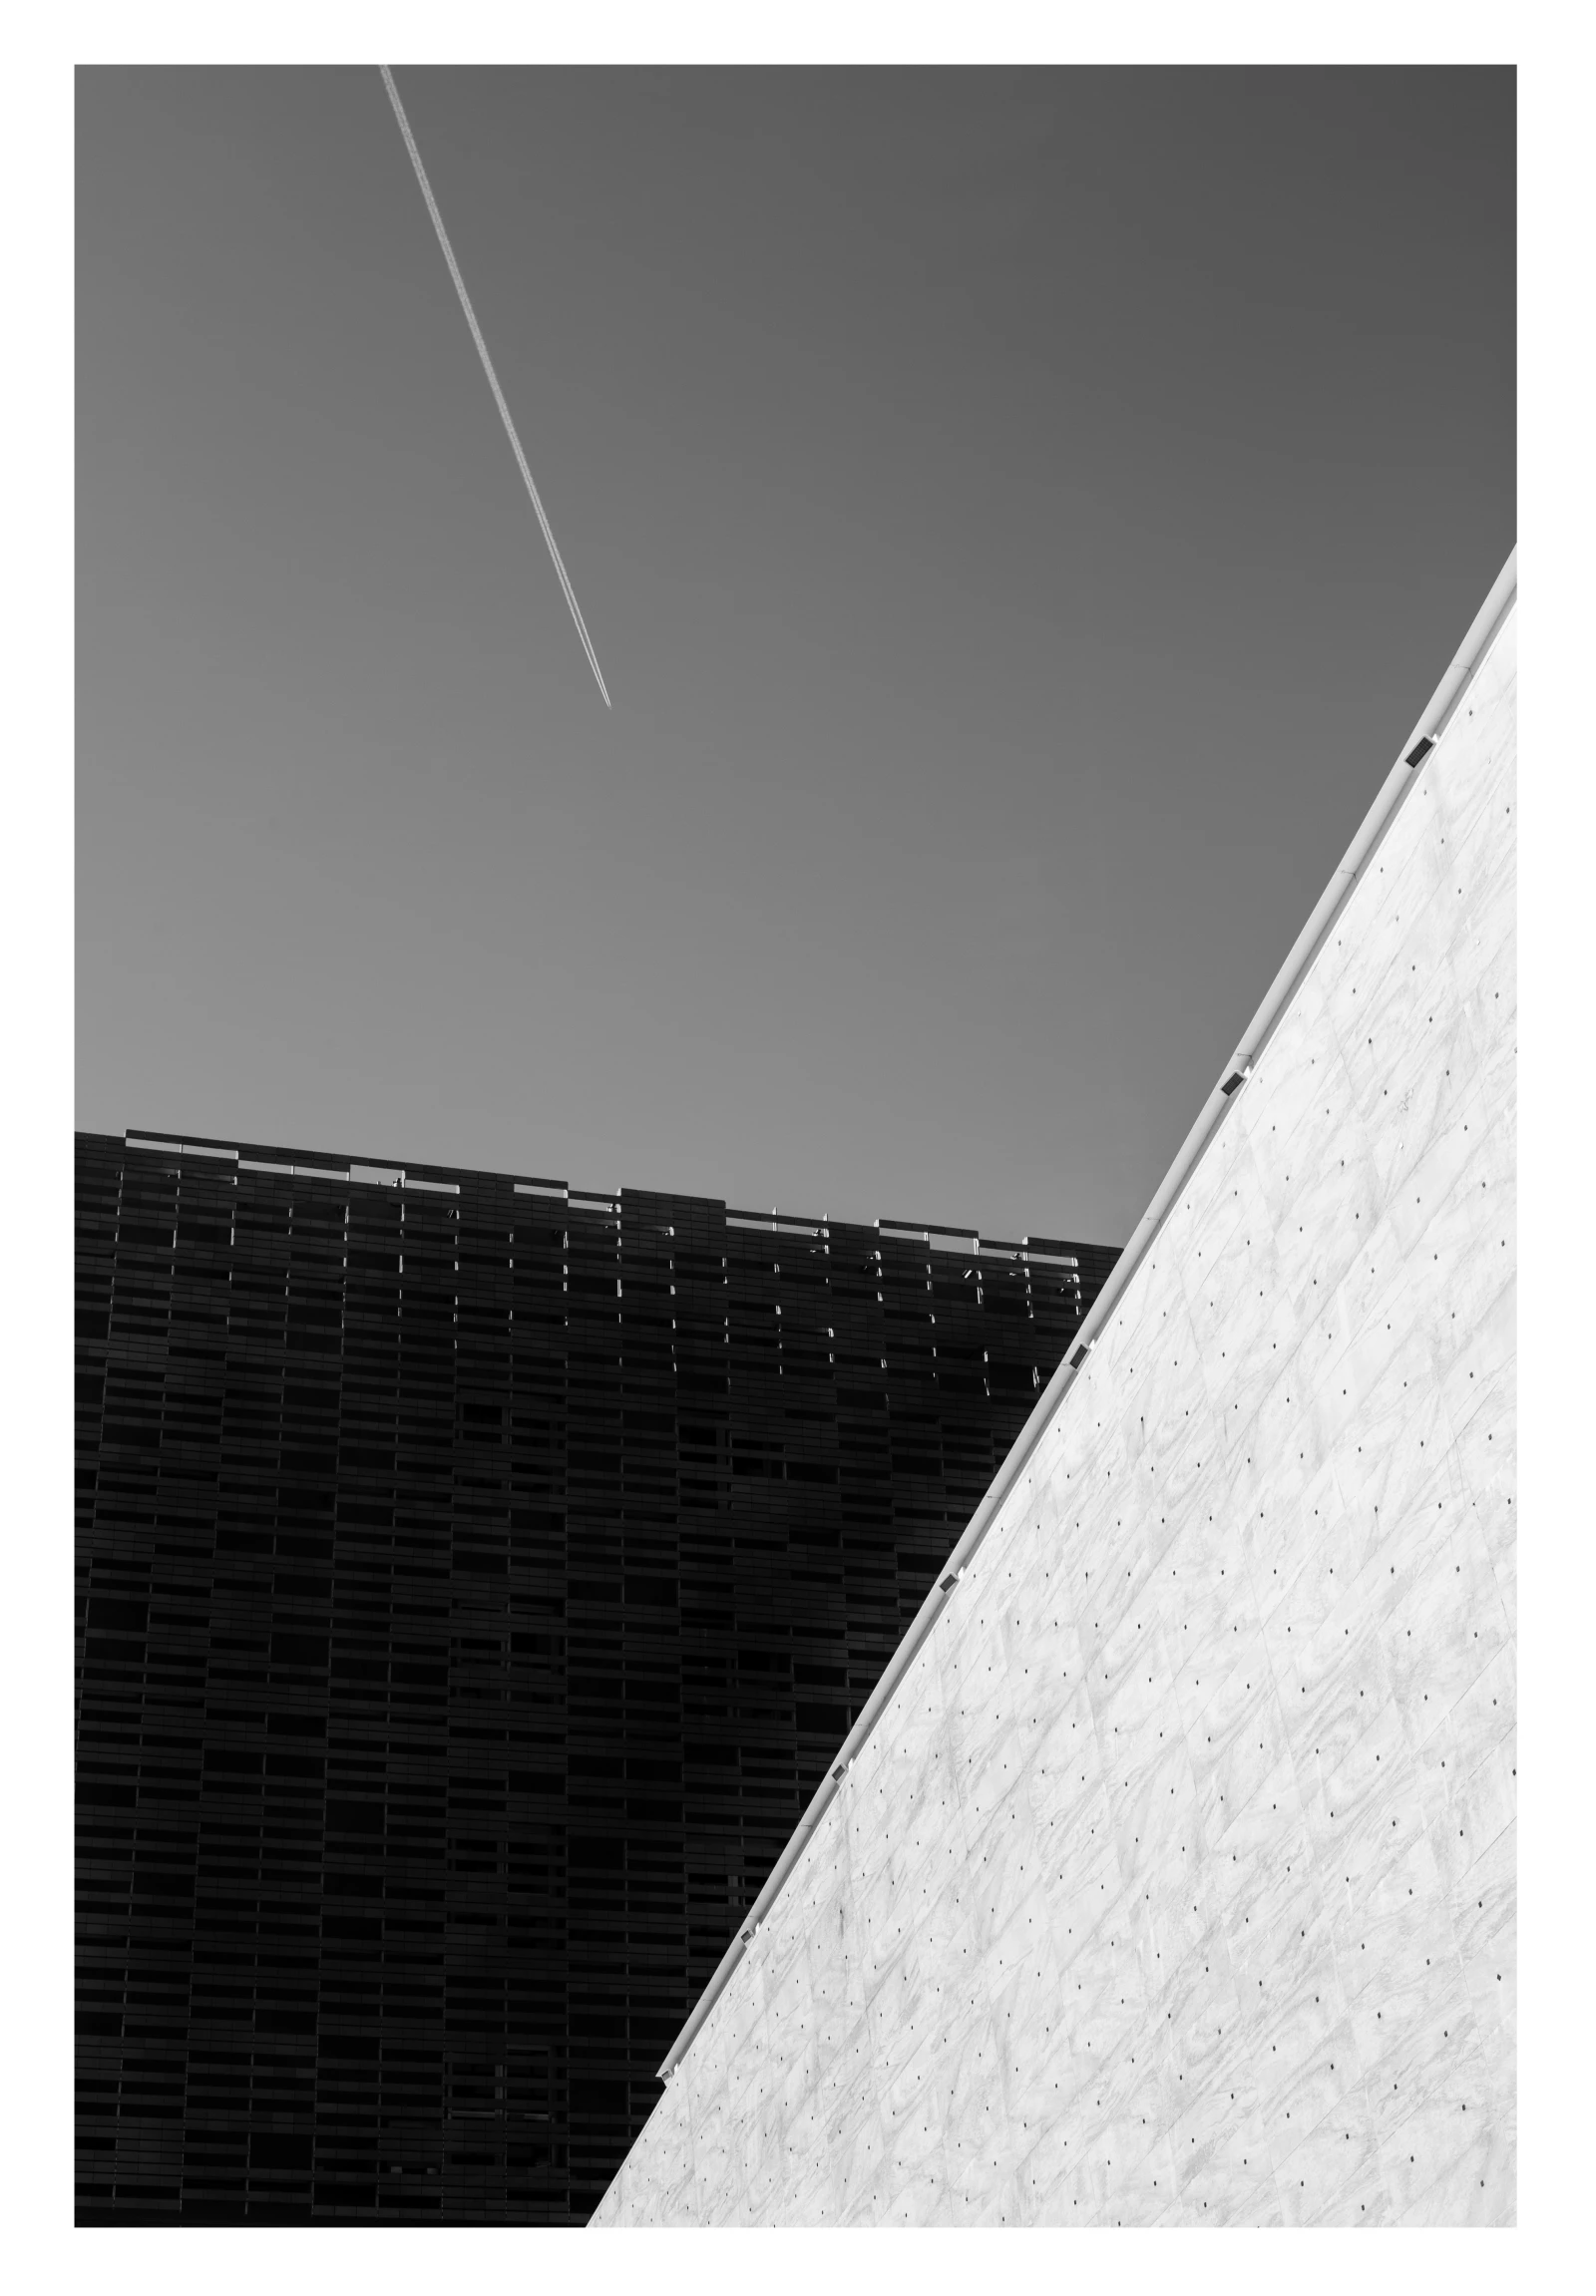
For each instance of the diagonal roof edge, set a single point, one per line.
(1432, 723)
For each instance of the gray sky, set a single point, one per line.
(1018, 515)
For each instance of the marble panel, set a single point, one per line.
(1504, 1571)
(1323, 1728)
(1276, 1924)
(1481, 954)
(1154, 1813)
(1479, 1391)
(1476, 758)
(1487, 1368)
(1478, 1727)
(1181, 1419)
(1291, 1176)
(1478, 2187)
(1487, 1809)
(1304, 2059)
(1452, 2123)
(1341, 1198)
(1480, 854)
(1492, 1981)
(912, 2185)
(1411, 2038)
(1466, 1234)
(1234, 1287)
(1484, 1899)
(1376, 1852)
(1446, 1626)
(1376, 928)
(1335, 2175)
(1250, 1773)
(1288, 1079)
(1222, 1671)
(1214, 1211)
(1171, 1475)
(1489, 1004)
(1389, 1953)
(1061, 2192)
(1402, 1027)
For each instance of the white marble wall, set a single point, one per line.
(1176, 1886)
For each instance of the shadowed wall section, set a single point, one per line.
(1176, 1884)
(474, 1578)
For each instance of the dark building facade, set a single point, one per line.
(473, 1579)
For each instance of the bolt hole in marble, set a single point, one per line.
(1264, 1971)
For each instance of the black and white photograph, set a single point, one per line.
(787, 786)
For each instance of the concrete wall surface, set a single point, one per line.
(1177, 1883)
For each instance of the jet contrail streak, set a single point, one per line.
(492, 379)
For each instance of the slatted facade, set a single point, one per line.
(474, 1578)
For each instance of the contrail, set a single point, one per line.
(492, 379)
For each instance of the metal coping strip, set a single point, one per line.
(363, 1175)
(148, 1140)
(1434, 721)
